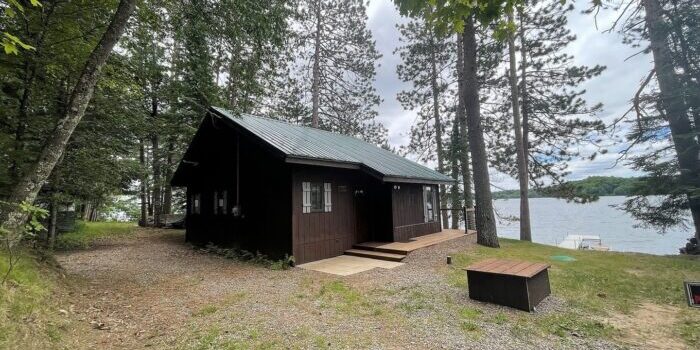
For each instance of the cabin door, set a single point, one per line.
(361, 215)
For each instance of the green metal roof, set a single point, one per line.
(301, 144)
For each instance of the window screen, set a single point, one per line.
(220, 204)
(196, 203)
(429, 203)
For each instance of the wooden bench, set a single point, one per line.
(518, 284)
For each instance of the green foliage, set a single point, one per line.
(450, 15)
(249, 257)
(11, 43)
(86, 234)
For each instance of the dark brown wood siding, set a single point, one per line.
(360, 211)
(265, 195)
(407, 212)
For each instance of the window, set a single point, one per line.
(195, 204)
(220, 202)
(316, 197)
(429, 203)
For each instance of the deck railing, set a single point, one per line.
(465, 215)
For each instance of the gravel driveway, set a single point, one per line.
(153, 290)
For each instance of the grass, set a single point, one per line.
(347, 300)
(595, 285)
(87, 233)
(29, 316)
(415, 301)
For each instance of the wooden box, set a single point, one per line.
(518, 284)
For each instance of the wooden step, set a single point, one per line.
(375, 255)
(371, 247)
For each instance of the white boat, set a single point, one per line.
(584, 242)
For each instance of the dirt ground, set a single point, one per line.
(153, 290)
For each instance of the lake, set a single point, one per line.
(553, 219)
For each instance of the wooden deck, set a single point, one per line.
(413, 244)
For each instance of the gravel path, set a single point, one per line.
(153, 290)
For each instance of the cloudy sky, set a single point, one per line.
(614, 87)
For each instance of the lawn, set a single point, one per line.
(87, 233)
(602, 290)
(634, 300)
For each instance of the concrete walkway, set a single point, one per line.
(345, 265)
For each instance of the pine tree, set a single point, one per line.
(666, 115)
(525, 233)
(555, 117)
(428, 64)
(485, 217)
(334, 66)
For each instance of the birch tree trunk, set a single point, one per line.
(28, 187)
(675, 109)
(316, 83)
(525, 234)
(485, 220)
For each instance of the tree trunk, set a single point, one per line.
(28, 187)
(316, 84)
(157, 185)
(485, 221)
(21, 123)
(143, 221)
(676, 112)
(30, 69)
(463, 140)
(525, 234)
(168, 195)
(454, 188)
(437, 123)
(525, 97)
(53, 214)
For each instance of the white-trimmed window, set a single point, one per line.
(220, 202)
(195, 203)
(316, 197)
(429, 204)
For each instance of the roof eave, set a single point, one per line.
(417, 180)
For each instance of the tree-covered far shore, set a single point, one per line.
(592, 186)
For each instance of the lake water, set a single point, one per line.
(553, 219)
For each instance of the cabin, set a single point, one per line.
(268, 186)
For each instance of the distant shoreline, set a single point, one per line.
(593, 186)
